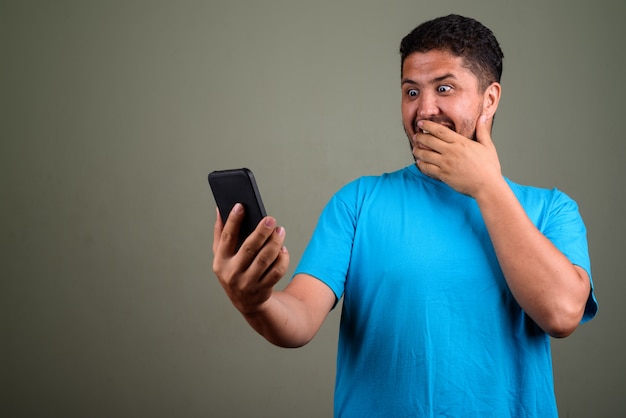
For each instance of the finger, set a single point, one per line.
(483, 129)
(425, 154)
(256, 240)
(278, 269)
(217, 230)
(428, 145)
(436, 129)
(230, 231)
(266, 254)
(428, 168)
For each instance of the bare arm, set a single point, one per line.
(288, 318)
(550, 289)
(292, 318)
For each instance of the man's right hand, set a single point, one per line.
(248, 275)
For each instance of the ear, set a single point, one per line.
(491, 99)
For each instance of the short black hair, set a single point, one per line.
(463, 37)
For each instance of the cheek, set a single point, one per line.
(466, 127)
(465, 120)
(408, 115)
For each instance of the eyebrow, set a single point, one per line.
(434, 80)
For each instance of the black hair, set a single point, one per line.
(463, 37)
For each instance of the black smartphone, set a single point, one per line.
(238, 186)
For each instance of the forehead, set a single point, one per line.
(431, 66)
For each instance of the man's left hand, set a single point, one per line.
(465, 165)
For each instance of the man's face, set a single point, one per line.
(437, 87)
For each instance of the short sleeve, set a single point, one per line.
(327, 256)
(565, 228)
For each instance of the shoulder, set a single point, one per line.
(548, 208)
(368, 184)
(539, 196)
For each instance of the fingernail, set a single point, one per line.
(280, 231)
(270, 222)
(238, 208)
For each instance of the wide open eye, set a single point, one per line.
(412, 93)
(443, 89)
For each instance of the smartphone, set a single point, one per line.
(238, 186)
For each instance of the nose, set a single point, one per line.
(427, 105)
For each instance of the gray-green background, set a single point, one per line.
(113, 112)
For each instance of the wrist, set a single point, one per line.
(253, 308)
(489, 191)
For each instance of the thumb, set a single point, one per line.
(483, 129)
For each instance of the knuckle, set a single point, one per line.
(280, 270)
(227, 236)
(239, 288)
(248, 250)
(216, 264)
(264, 260)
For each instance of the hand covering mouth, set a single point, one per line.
(444, 122)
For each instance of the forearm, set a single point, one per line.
(283, 320)
(550, 289)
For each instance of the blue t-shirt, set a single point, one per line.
(429, 326)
